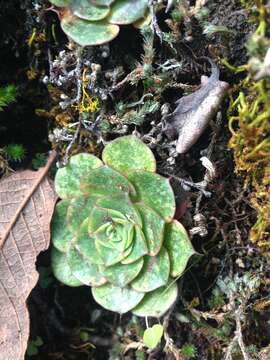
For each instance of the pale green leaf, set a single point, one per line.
(153, 335)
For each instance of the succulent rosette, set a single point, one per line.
(95, 22)
(114, 230)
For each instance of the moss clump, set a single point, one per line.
(249, 123)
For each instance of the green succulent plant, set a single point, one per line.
(114, 229)
(95, 22)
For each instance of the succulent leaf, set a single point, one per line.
(62, 270)
(122, 204)
(146, 185)
(125, 12)
(157, 302)
(67, 179)
(120, 274)
(139, 247)
(114, 231)
(86, 10)
(153, 228)
(128, 153)
(87, 33)
(61, 3)
(111, 256)
(106, 181)
(79, 209)
(61, 233)
(104, 2)
(154, 274)
(85, 244)
(178, 246)
(88, 274)
(115, 298)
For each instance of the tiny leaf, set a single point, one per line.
(152, 336)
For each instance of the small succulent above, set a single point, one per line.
(95, 22)
(114, 229)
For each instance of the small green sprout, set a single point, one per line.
(97, 22)
(114, 230)
(15, 152)
(188, 351)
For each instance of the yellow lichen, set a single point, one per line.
(87, 103)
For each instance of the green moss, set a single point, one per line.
(249, 124)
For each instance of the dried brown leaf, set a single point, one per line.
(27, 200)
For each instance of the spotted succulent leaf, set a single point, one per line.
(146, 185)
(67, 179)
(127, 154)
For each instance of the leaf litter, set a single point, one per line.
(27, 201)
